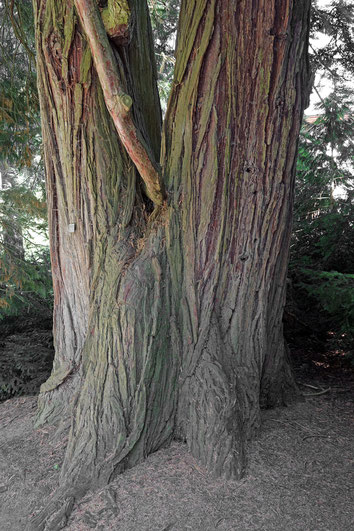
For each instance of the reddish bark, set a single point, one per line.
(184, 309)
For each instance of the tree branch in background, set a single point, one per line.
(18, 28)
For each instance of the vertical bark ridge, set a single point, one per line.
(122, 413)
(172, 328)
(114, 374)
(229, 144)
(92, 184)
(118, 102)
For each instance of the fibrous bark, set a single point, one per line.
(91, 182)
(229, 148)
(118, 102)
(169, 326)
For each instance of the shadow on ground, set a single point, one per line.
(26, 354)
(298, 477)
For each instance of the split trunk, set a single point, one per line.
(168, 320)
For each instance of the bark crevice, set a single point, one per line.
(169, 326)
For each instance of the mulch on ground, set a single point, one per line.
(299, 476)
(26, 355)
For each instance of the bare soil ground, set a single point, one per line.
(300, 473)
(26, 355)
(299, 476)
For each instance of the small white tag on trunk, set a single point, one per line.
(71, 227)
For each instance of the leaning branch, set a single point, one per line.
(118, 103)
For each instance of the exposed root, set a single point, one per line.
(55, 515)
(324, 391)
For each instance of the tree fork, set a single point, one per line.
(183, 334)
(118, 103)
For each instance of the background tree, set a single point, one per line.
(321, 265)
(323, 231)
(322, 253)
(335, 20)
(25, 280)
(164, 18)
(19, 115)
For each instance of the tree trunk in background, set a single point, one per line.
(12, 238)
(170, 325)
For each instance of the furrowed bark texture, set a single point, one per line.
(173, 326)
(113, 368)
(230, 142)
(117, 101)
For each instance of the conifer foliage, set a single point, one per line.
(322, 251)
(25, 280)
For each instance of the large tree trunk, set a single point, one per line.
(92, 185)
(169, 325)
(229, 149)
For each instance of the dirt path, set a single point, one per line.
(299, 477)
